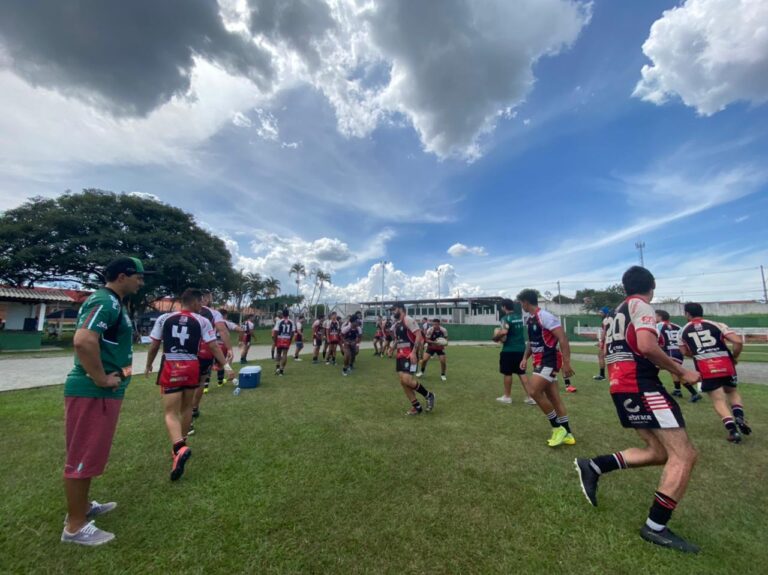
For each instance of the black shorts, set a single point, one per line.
(718, 382)
(434, 351)
(509, 362)
(317, 342)
(388, 338)
(404, 365)
(648, 410)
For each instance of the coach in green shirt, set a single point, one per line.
(93, 395)
(512, 336)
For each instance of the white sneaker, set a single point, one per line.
(530, 401)
(89, 534)
(443, 378)
(504, 399)
(420, 374)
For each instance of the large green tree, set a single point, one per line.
(72, 237)
(593, 299)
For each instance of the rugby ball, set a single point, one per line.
(441, 341)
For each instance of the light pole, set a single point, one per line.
(640, 247)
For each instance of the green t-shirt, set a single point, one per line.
(515, 334)
(103, 313)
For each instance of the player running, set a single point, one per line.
(433, 336)
(545, 335)
(407, 337)
(634, 358)
(670, 334)
(248, 328)
(333, 333)
(605, 314)
(707, 342)
(318, 337)
(283, 334)
(181, 334)
(351, 332)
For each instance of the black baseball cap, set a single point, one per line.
(125, 265)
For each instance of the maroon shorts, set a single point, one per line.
(90, 424)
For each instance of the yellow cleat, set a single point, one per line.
(569, 439)
(558, 436)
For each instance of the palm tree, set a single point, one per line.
(271, 287)
(321, 278)
(300, 271)
(254, 284)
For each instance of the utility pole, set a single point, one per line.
(641, 246)
(559, 297)
(765, 291)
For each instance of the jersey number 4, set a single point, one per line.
(180, 333)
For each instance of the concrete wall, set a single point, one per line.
(676, 309)
(16, 313)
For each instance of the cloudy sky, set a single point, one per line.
(497, 144)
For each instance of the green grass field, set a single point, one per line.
(315, 473)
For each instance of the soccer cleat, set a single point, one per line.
(743, 427)
(205, 389)
(558, 436)
(598, 377)
(588, 479)
(315, 362)
(191, 429)
(666, 538)
(88, 534)
(413, 411)
(297, 359)
(179, 461)
(695, 398)
(677, 393)
(221, 382)
(419, 374)
(430, 401)
(328, 362)
(529, 401)
(734, 436)
(442, 377)
(569, 439)
(571, 389)
(504, 399)
(345, 372)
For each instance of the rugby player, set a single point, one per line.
(333, 333)
(670, 335)
(205, 356)
(299, 337)
(512, 336)
(408, 337)
(248, 327)
(388, 337)
(274, 338)
(181, 334)
(318, 336)
(433, 333)
(605, 314)
(351, 332)
(545, 335)
(378, 337)
(707, 342)
(283, 334)
(634, 358)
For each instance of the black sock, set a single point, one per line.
(661, 511)
(606, 463)
(690, 388)
(730, 425)
(422, 390)
(738, 412)
(178, 445)
(677, 385)
(602, 372)
(552, 417)
(442, 372)
(567, 381)
(563, 421)
(416, 405)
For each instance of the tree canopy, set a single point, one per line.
(593, 299)
(72, 237)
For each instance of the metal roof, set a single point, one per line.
(34, 295)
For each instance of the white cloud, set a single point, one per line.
(145, 196)
(241, 120)
(710, 53)
(460, 250)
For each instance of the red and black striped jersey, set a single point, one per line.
(543, 342)
(629, 371)
(706, 340)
